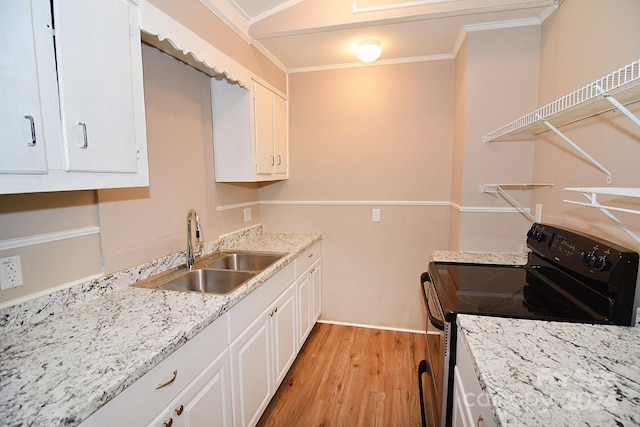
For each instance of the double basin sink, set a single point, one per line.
(219, 273)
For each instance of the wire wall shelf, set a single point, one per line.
(614, 90)
(591, 194)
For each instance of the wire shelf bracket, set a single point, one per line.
(576, 147)
(591, 195)
(501, 189)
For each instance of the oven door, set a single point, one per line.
(437, 358)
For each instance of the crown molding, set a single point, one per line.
(311, 69)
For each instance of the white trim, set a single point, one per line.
(412, 59)
(47, 237)
(385, 328)
(356, 202)
(228, 13)
(482, 209)
(497, 25)
(514, 23)
(236, 206)
(415, 3)
(279, 8)
(468, 209)
(49, 291)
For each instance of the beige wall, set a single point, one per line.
(369, 134)
(143, 224)
(136, 225)
(496, 75)
(583, 41)
(39, 228)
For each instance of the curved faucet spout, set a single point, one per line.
(191, 258)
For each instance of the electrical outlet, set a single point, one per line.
(247, 214)
(10, 272)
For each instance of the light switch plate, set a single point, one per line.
(247, 214)
(375, 215)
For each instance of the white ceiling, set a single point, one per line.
(305, 35)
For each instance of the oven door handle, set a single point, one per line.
(425, 278)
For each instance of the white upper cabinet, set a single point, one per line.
(250, 133)
(74, 117)
(28, 86)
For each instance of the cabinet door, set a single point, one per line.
(305, 307)
(280, 146)
(316, 288)
(263, 122)
(251, 367)
(207, 402)
(97, 51)
(26, 64)
(283, 327)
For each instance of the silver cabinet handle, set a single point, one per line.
(279, 159)
(273, 160)
(85, 141)
(480, 421)
(33, 131)
(175, 374)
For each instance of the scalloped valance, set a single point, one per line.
(165, 33)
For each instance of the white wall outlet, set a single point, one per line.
(375, 215)
(247, 214)
(10, 272)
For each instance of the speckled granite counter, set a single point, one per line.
(480, 257)
(539, 373)
(65, 355)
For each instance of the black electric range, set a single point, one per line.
(569, 277)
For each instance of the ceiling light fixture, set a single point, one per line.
(368, 50)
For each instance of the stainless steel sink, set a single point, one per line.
(209, 281)
(241, 260)
(219, 273)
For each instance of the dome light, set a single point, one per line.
(368, 50)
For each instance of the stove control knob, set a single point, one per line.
(600, 263)
(537, 235)
(588, 257)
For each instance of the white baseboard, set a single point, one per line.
(385, 328)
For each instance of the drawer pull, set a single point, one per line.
(180, 410)
(85, 141)
(175, 374)
(480, 421)
(32, 126)
(169, 422)
(310, 255)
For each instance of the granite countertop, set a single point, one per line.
(93, 341)
(506, 258)
(541, 373)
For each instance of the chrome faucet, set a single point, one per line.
(191, 258)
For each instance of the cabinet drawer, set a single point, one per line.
(245, 312)
(142, 401)
(308, 257)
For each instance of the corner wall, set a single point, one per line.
(496, 75)
(582, 42)
(366, 138)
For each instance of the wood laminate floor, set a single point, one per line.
(349, 376)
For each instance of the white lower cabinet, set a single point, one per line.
(309, 288)
(228, 373)
(471, 405)
(261, 357)
(198, 370)
(206, 402)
